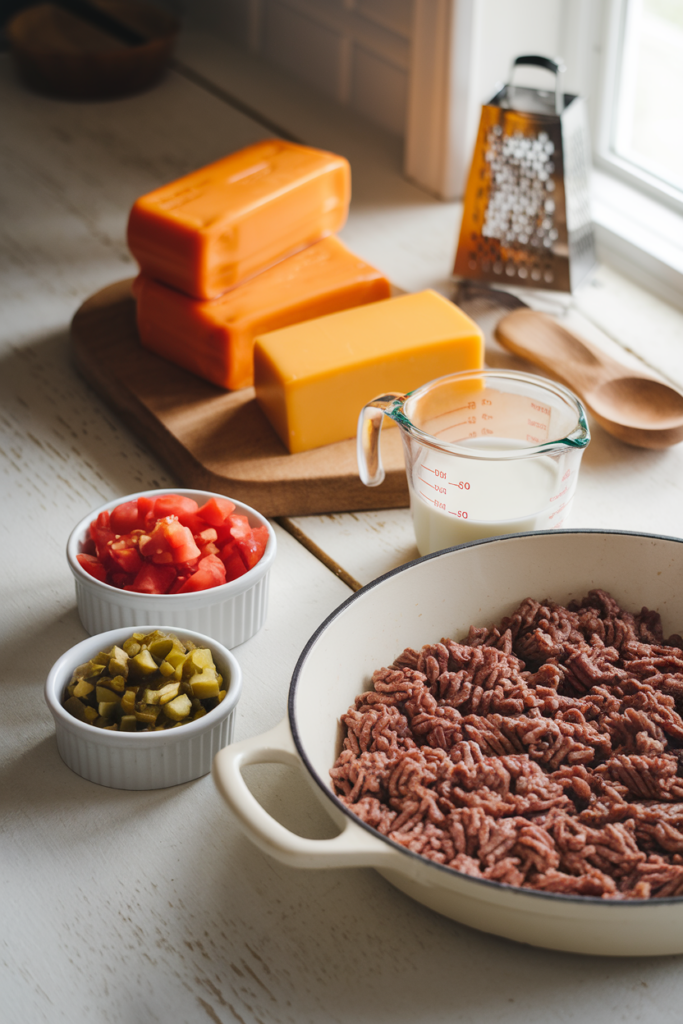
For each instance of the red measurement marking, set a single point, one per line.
(422, 466)
(556, 496)
(430, 500)
(558, 510)
(460, 514)
(427, 482)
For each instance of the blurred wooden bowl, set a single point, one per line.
(91, 49)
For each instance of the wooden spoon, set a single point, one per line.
(635, 407)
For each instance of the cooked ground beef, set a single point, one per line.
(545, 752)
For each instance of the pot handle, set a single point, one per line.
(353, 847)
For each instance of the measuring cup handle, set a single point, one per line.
(368, 454)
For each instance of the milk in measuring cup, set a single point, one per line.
(487, 453)
(456, 500)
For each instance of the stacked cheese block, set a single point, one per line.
(242, 247)
(242, 281)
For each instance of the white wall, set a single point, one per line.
(418, 68)
(356, 51)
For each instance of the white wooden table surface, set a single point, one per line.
(134, 907)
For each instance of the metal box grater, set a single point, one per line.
(526, 218)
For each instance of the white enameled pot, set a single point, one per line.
(231, 613)
(436, 596)
(141, 760)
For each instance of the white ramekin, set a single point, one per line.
(141, 760)
(230, 614)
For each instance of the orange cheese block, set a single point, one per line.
(313, 379)
(215, 339)
(222, 224)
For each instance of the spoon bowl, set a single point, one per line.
(635, 407)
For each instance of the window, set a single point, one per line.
(639, 135)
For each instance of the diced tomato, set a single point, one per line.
(175, 533)
(234, 566)
(163, 558)
(261, 537)
(153, 543)
(169, 538)
(170, 545)
(154, 579)
(227, 550)
(209, 549)
(251, 546)
(248, 549)
(100, 534)
(194, 522)
(184, 548)
(187, 554)
(179, 583)
(102, 537)
(223, 533)
(89, 547)
(120, 580)
(93, 566)
(126, 556)
(146, 519)
(125, 517)
(210, 573)
(174, 505)
(206, 536)
(239, 526)
(216, 511)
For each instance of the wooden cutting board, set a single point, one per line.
(213, 439)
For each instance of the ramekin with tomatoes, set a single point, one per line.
(185, 558)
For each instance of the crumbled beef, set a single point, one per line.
(545, 752)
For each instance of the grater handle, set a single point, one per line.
(557, 68)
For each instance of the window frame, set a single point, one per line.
(605, 157)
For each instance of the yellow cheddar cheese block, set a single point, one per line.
(313, 379)
(220, 225)
(215, 339)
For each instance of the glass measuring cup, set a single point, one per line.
(487, 453)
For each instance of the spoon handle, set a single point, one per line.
(545, 343)
(631, 405)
